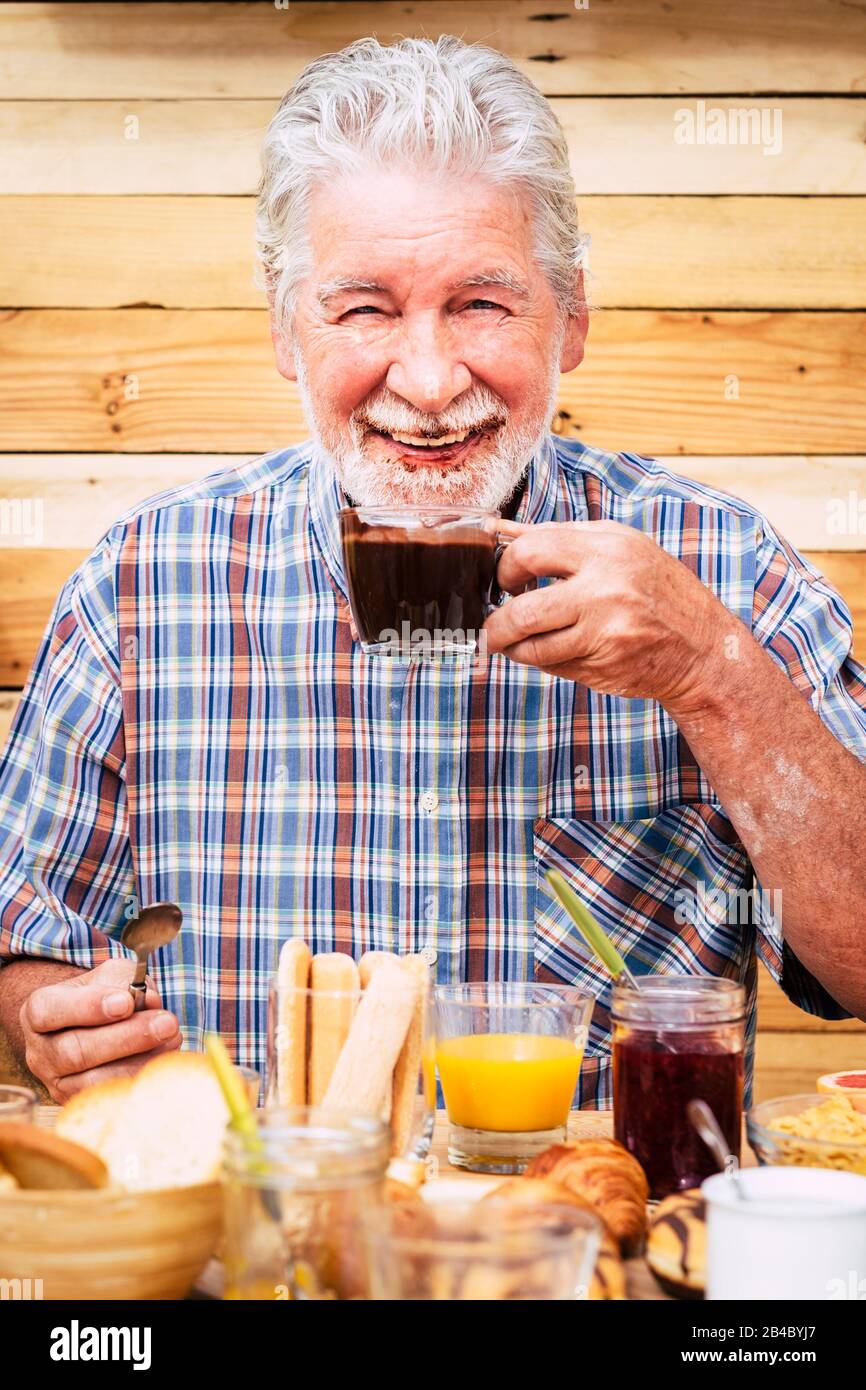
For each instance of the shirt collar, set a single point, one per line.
(541, 500)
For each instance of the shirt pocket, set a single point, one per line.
(653, 883)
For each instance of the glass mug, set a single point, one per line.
(421, 580)
(410, 1104)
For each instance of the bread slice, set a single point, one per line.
(171, 1128)
(89, 1116)
(38, 1158)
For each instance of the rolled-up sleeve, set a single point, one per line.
(806, 627)
(66, 872)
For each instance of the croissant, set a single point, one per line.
(608, 1278)
(607, 1176)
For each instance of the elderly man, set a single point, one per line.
(674, 707)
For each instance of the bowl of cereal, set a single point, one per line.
(809, 1131)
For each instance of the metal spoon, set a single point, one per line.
(710, 1131)
(153, 927)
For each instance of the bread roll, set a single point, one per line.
(40, 1159)
(171, 1128)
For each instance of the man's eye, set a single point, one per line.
(482, 304)
(362, 309)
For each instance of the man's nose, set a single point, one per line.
(427, 370)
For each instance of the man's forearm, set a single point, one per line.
(797, 800)
(17, 982)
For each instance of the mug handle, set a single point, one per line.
(499, 596)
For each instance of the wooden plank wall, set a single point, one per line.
(729, 282)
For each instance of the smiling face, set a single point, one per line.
(426, 342)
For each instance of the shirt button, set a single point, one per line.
(429, 955)
(428, 801)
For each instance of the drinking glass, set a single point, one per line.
(509, 1057)
(492, 1250)
(17, 1103)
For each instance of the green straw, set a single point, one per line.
(233, 1088)
(588, 927)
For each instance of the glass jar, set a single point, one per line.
(294, 1194)
(676, 1039)
(409, 1086)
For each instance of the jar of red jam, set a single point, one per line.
(677, 1038)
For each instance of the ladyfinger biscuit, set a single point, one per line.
(330, 1016)
(407, 1071)
(370, 962)
(363, 1075)
(293, 978)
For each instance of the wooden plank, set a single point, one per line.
(814, 502)
(725, 253)
(249, 50)
(30, 581)
(669, 252)
(104, 252)
(617, 146)
(76, 497)
(777, 1014)
(788, 1063)
(29, 584)
(654, 382)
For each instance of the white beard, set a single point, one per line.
(488, 479)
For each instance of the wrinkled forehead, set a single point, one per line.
(403, 232)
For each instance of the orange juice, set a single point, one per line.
(510, 1082)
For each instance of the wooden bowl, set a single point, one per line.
(105, 1243)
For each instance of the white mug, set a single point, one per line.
(799, 1233)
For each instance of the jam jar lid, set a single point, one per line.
(679, 1000)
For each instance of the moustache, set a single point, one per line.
(488, 424)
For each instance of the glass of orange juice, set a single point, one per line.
(508, 1056)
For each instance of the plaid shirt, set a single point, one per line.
(199, 726)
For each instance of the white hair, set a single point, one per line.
(441, 105)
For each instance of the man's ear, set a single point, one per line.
(283, 351)
(576, 329)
